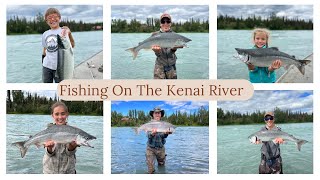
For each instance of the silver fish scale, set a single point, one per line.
(65, 66)
(264, 57)
(58, 133)
(59, 137)
(164, 40)
(160, 126)
(269, 52)
(271, 135)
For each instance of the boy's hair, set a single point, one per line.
(59, 103)
(52, 11)
(261, 30)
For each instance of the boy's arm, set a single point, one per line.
(43, 54)
(67, 30)
(71, 40)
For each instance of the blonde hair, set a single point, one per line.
(59, 104)
(52, 11)
(261, 30)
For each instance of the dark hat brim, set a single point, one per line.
(151, 113)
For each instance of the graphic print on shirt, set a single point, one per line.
(51, 43)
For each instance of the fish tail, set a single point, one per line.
(301, 68)
(299, 143)
(302, 65)
(22, 148)
(134, 52)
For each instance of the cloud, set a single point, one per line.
(187, 106)
(178, 13)
(268, 100)
(47, 94)
(85, 13)
(290, 11)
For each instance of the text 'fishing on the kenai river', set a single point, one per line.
(117, 90)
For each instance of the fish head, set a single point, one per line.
(180, 42)
(185, 39)
(83, 140)
(243, 55)
(253, 139)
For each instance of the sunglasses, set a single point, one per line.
(168, 21)
(267, 118)
(52, 17)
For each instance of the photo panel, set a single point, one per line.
(50, 43)
(161, 137)
(271, 133)
(177, 37)
(46, 135)
(265, 43)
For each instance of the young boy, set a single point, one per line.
(50, 44)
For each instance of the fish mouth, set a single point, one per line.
(253, 139)
(86, 143)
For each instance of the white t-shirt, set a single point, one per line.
(49, 41)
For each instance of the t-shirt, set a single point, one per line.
(49, 41)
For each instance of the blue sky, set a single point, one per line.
(290, 11)
(178, 13)
(86, 13)
(268, 100)
(169, 106)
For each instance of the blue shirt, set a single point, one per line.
(262, 74)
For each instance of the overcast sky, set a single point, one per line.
(178, 13)
(268, 100)
(48, 94)
(169, 106)
(290, 11)
(90, 13)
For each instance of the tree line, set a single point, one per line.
(281, 116)
(38, 25)
(153, 24)
(272, 22)
(137, 117)
(21, 102)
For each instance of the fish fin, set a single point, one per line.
(305, 61)
(38, 145)
(23, 149)
(59, 40)
(299, 143)
(275, 48)
(301, 68)
(134, 53)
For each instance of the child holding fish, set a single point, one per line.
(263, 74)
(50, 44)
(59, 158)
